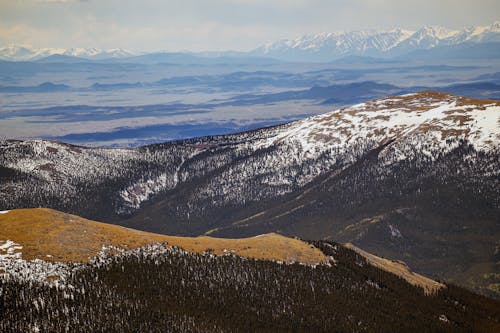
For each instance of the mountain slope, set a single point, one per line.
(399, 139)
(152, 288)
(337, 288)
(189, 179)
(55, 236)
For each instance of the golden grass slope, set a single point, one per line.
(400, 269)
(55, 236)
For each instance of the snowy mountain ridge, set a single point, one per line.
(261, 164)
(326, 45)
(26, 53)
(378, 43)
(400, 117)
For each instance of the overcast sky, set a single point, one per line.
(150, 25)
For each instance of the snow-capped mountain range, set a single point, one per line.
(25, 53)
(377, 43)
(322, 46)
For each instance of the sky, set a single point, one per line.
(216, 25)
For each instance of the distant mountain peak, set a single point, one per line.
(436, 31)
(495, 26)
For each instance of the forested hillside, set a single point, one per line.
(175, 291)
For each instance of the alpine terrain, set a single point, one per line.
(412, 177)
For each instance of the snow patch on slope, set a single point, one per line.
(135, 194)
(420, 127)
(8, 250)
(141, 191)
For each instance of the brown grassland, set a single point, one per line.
(51, 235)
(398, 268)
(55, 236)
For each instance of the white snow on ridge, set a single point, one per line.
(139, 192)
(396, 119)
(420, 127)
(486, 127)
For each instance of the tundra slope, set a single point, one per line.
(50, 235)
(410, 177)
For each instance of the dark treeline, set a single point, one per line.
(181, 292)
